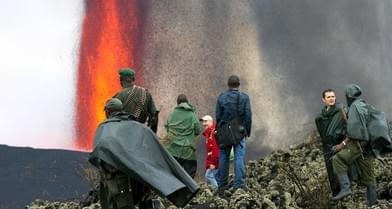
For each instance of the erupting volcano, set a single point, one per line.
(110, 39)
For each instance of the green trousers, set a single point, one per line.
(346, 157)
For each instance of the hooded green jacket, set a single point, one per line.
(365, 123)
(358, 114)
(331, 125)
(182, 128)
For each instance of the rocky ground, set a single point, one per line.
(288, 179)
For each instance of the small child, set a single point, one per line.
(212, 150)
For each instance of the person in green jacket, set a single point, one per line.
(182, 129)
(331, 126)
(355, 147)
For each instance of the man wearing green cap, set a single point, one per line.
(136, 100)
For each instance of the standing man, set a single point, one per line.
(355, 147)
(230, 104)
(331, 126)
(137, 101)
(182, 128)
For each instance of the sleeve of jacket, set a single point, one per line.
(196, 125)
(215, 152)
(151, 109)
(248, 115)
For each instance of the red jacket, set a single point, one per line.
(212, 149)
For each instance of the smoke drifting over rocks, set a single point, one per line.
(285, 53)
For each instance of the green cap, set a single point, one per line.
(128, 72)
(113, 104)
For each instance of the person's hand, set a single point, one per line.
(210, 153)
(212, 166)
(337, 147)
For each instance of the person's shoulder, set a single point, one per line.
(227, 93)
(359, 105)
(244, 94)
(221, 96)
(223, 93)
(140, 88)
(121, 93)
(143, 89)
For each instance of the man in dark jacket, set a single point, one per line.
(355, 147)
(137, 101)
(331, 126)
(230, 104)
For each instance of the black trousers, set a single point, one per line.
(190, 166)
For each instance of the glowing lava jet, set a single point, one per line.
(111, 36)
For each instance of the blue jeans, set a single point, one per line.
(211, 177)
(239, 165)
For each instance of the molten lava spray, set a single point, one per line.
(111, 29)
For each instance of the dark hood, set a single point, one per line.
(352, 92)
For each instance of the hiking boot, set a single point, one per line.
(150, 204)
(333, 204)
(345, 189)
(221, 191)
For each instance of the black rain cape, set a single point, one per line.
(135, 150)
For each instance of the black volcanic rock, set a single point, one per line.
(27, 174)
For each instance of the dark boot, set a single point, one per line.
(345, 189)
(150, 204)
(371, 195)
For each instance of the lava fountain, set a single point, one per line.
(111, 36)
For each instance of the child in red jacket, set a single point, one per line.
(212, 150)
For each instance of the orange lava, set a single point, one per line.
(111, 36)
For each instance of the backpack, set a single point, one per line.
(379, 131)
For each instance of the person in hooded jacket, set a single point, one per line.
(182, 129)
(119, 190)
(212, 150)
(356, 146)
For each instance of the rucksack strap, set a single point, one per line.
(139, 101)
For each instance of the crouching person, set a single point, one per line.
(131, 162)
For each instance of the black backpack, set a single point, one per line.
(231, 132)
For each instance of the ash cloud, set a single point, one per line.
(285, 52)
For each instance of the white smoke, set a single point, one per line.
(39, 44)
